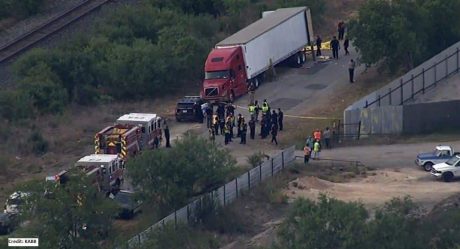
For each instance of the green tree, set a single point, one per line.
(404, 33)
(327, 223)
(170, 177)
(75, 215)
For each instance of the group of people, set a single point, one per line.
(335, 47)
(313, 144)
(223, 122)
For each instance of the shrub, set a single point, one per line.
(39, 145)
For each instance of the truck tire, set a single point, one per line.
(304, 57)
(447, 176)
(428, 166)
(298, 60)
(257, 82)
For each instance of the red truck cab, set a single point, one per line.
(225, 75)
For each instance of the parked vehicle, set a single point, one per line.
(447, 170)
(128, 203)
(245, 56)
(187, 107)
(118, 139)
(104, 171)
(7, 223)
(15, 202)
(150, 125)
(440, 154)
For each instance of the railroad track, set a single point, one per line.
(48, 28)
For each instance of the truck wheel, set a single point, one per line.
(256, 82)
(299, 60)
(447, 176)
(304, 58)
(428, 166)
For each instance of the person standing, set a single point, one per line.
(341, 29)
(265, 108)
(327, 137)
(252, 91)
(257, 110)
(316, 149)
(335, 46)
(239, 126)
(274, 119)
(231, 110)
(309, 142)
(167, 136)
(216, 125)
(244, 132)
(346, 44)
(274, 133)
(262, 128)
(252, 110)
(198, 113)
(212, 135)
(306, 152)
(317, 135)
(280, 119)
(318, 45)
(209, 113)
(252, 128)
(222, 126)
(221, 111)
(351, 70)
(227, 133)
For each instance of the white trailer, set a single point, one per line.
(280, 35)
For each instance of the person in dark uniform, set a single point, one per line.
(262, 127)
(244, 132)
(227, 133)
(256, 103)
(167, 136)
(216, 125)
(222, 126)
(274, 118)
(198, 113)
(335, 46)
(230, 110)
(221, 111)
(318, 45)
(346, 44)
(341, 29)
(239, 126)
(252, 128)
(209, 113)
(280, 119)
(274, 133)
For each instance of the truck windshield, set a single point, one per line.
(452, 161)
(225, 74)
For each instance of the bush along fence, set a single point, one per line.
(222, 196)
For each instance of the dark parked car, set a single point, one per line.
(187, 107)
(128, 202)
(7, 223)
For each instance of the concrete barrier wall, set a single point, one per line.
(431, 117)
(381, 120)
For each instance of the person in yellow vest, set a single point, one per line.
(265, 107)
(252, 110)
(316, 150)
(227, 132)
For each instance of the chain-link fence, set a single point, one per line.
(223, 196)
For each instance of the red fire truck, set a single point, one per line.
(118, 139)
(150, 125)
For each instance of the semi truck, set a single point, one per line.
(244, 57)
(150, 125)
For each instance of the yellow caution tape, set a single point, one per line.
(301, 117)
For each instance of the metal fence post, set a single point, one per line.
(402, 92)
(282, 159)
(272, 166)
(224, 194)
(434, 67)
(359, 128)
(188, 213)
(447, 65)
(379, 100)
(139, 239)
(249, 179)
(458, 62)
(389, 95)
(423, 80)
(412, 85)
(260, 172)
(366, 104)
(236, 186)
(175, 219)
